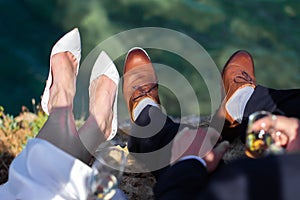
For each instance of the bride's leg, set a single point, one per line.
(60, 128)
(98, 126)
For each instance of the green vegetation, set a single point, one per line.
(15, 131)
(269, 29)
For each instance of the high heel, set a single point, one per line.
(105, 66)
(69, 42)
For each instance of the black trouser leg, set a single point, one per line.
(153, 132)
(280, 102)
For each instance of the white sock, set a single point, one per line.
(141, 105)
(237, 103)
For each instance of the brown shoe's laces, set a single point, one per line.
(244, 78)
(142, 92)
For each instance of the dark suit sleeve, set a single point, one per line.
(183, 180)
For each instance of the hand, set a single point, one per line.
(289, 129)
(201, 143)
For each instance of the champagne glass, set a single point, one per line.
(108, 168)
(261, 142)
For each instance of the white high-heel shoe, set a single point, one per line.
(69, 42)
(105, 66)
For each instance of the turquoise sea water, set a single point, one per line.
(268, 29)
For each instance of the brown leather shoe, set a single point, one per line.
(237, 73)
(139, 79)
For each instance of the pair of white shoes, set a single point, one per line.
(103, 66)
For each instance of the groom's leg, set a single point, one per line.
(282, 102)
(153, 132)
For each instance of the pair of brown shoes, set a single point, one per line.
(140, 80)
